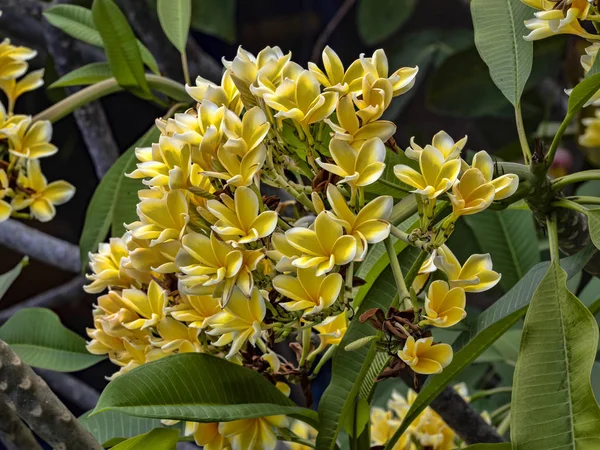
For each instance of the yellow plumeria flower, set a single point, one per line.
(303, 431)
(176, 337)
(283, 253)
(332, 330)
(383, 427)
(436, 177)
(196, 309)
(226, 94)
(29, 140)
(247, 133)
(135, 355)
(356, 167)
(41, 196)
(472, 194)
(301, 100)
(150, 306)
(443, 142)
(348, 126)
(323, 247)
(374, 99)
(239, 171)
(591, 135)
(5, 208)
(14, 89)
(13, 59)
(551, 21)
(504, 185)
(377, 66)
(102, 344)
(427, 268)
(432, 432)
(335, 78)
(307, 291)
(8, 121)
(240, 321)
(111, 313)
(444, 307)
(476, 275)
(239, 219)
(253, 434)
(425, 357)
(207, 436)
(400, 404)
(145, 257)
(369, 226)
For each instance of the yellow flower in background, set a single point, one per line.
(176, 337)
(253, 434)
(432, 432)
(41, 197)
(476, 275)
(472, 194)
(436, 177)
(283, 253)
(444, 307)
(348, 127)
(591, 135)
(226, 94)
(400, 404)
(425, 357)
(376, 96)
(325, 246)
(240, 321)
(443, 142)
(31, 140)
(247, 133)
(377, 66)
(335, 77)
(307, 291)
(504, 185)
(207, 436)
(5, 208)
(150, 306)
(196, 309)
(13, 59)
(369, 226)
(239, 171)
(383, 427)
(14, 89)
(239, 219)
(332, 330)
(301, 100)
(356, 167)
(303, 431)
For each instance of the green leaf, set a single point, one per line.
(552, 395)
(350, 368)
(496, 446)
(77, 22)
(174, 17)
(6, 279)
(510, 238)
(90, 74)
(197, 387)
(582, 93)
(38, 337)
(489, 326)
(114, 200)
(388, 183)
(590, 294)
(377, 20)
(215, 17)
(157, 439)
(505, 349)
(111, 427)
(593, 216)
(121, 47)
(499, 30)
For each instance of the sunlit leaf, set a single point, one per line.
(90, 74)
(174, 17)
(157, 439)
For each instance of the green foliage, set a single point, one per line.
(552, 401)
(510, 238)
(174, 17)
(90, 74)
(215, 17)
(6, 279)
(114, 200)
(498, 446)
(40, 340)
(594, 224)
(157, 439)
(388, 183)
(121, 48)
(197, 387)
(377, 20)
(499, 30)
(581, 94)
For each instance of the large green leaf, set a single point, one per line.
(496, 446)
(77, 22)
(350, 368)
(174, 17)
(499, 30)
(111, 427)
(90, 74)
(121, 47)
(379, 19)
(489, 326)
(157, 439)
(553, 405)
(510, 238)
(114, 200)
(215, 17)
(197, 387)
(582, 93)
(6, 279)
(594, 224)
(38, 337)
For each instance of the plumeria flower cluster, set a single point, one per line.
(214, 265)
(24, 191)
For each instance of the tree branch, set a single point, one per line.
(70, 388)
(15, 434)
(37, 405)
(40, 246)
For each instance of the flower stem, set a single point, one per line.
(403, 293)
(522, 135)
(489, 392)
(185, 67)
(553, 238)
(584, 200)
(585, 175)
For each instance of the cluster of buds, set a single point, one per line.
(24, 191)
(214, 266)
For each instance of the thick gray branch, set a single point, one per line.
(40, 246)
(37, 405)
(70, 388)
(14, 433)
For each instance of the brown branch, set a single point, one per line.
(37, 405)
(330, 28)
(13, 432)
